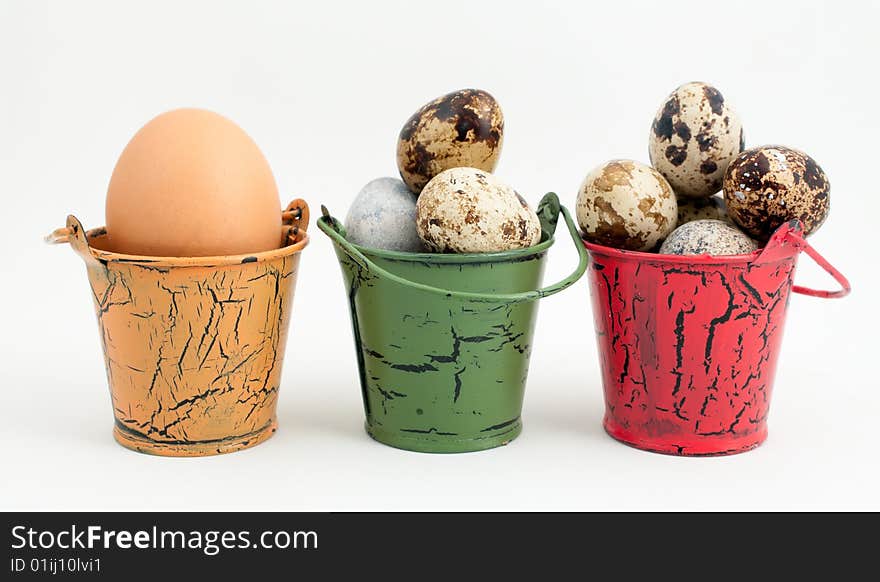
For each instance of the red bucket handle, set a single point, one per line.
(791, 234)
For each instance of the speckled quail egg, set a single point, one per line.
(711, 208)
(694, 137)
(467, 210)
(383, 216)
(767, 186)
(627, 205)
(707, 237)
(461, 129)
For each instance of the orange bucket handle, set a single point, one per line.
(791, 234)
(59, 235)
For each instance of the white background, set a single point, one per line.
(324, 88)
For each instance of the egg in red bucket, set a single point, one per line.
(711, 208)
(192, 183)
(768, 186)
(627, 205)
(707, 237)
(694, 136)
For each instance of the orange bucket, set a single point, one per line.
(193, 346)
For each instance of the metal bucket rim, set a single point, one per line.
(208, 261)
(294, 224)
(549, 211)
(784, 245)
(547, 241)
(778, 248)
(703, 260)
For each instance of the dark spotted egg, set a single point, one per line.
(461, 129)
(711, 208)
(694, 137)
(767, 186)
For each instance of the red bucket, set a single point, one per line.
(688, 344)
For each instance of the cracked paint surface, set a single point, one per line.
(193, 353)
(439, 374)
(688, 350)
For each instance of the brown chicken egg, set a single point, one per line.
(192, 183)
(767, 186)
(461, 129)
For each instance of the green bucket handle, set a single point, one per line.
(548, 213)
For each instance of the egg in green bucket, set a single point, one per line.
(467, 210)
(383, 216)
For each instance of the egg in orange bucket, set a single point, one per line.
(192, 183)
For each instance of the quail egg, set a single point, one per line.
(707, 237)
(383, 216)
(711, 208)
(694, 137)
(626, 204)
(767, 186)
(468, 210)
(461, 129)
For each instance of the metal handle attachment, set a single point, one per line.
(548, 211)
(295, 221)
(791, 233)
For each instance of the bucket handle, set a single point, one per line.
(548, 212)
(791, 233)
(73, 234)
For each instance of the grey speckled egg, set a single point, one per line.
(694, 137)
(707, 237)
(461, 129)
(383, 216)
(711, 208)
(767, 186)
(467, 210)
(626, 205)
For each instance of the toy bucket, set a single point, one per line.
(688, 344)
(193, 346)
(443, 340)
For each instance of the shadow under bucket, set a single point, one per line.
(193, 346)
(688, 344)
(443, 340)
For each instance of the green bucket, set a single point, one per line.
(443, 340)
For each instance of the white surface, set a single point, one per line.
(324, 89)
